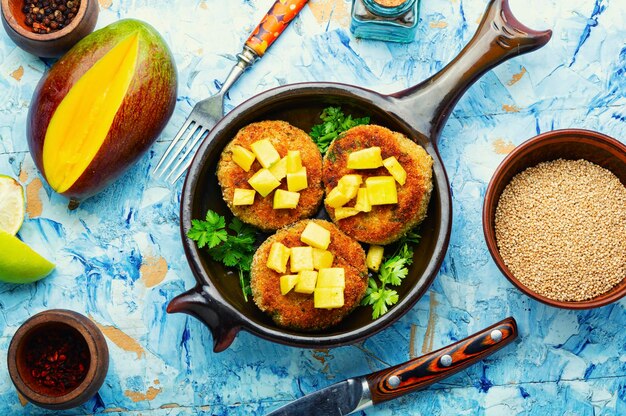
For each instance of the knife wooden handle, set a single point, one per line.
(273, 24)
(423, 371)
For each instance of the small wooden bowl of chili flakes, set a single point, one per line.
(58, 359)
(48, 28)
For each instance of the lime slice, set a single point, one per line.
(19, 263)
(12, 205)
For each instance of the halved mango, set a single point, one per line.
(84, 117)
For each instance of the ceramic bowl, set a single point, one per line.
(50, 45)
(570, 144)
(83, 330)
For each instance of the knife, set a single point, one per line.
(357, 393)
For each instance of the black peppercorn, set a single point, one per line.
(45, 16)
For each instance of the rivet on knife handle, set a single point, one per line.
(273, 24)
(426, 370)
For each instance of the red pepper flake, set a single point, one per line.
(56, 359)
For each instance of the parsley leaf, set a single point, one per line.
(334, 123)
(392, 272)
(233, 250)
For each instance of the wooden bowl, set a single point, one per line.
(84, 330)
(570, 144)
(49, 45)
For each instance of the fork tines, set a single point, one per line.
(180, 150)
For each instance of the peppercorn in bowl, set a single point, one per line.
(48, 28)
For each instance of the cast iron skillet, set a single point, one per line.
(419, 112)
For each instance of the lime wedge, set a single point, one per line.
(19, 263)
(12, 205)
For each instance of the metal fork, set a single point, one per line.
(208, 112)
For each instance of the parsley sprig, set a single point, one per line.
(234, 249)
(392, 272)
(334, 123)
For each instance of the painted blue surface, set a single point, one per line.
(565, 362)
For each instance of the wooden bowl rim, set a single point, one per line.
(85, 327)
(11, 19)
(607, 298)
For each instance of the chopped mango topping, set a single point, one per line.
(328, 298)
(362, 201)
(297, 181)
(279, 169)
(374, 257)
(243, 157)
(265, 152)
(345, 212)
(285, 199)
(336, 198)
(369, 158)
(278, 257)
(294, 162)
(306, 281)
(322, 259)
(263, 182)
(331, 277)
(301, 259)
(287, 283)
(395, 169)
(316, 236)
(381, 190)
(243, 196)
(349, 185)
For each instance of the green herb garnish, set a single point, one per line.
(392, 272)
(334, 123)
(233, 250)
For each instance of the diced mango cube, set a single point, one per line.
(369, 158)
(336, 198)
(306, 281)
(345, 212)
(331, 277)
(279, 169)
(381, 190)
(322, 259)
(316, 236)
(264, 182)
(395, 169)
(265, 152)
(362, 201)
(301, 259)
(297, 181)
(294, 162)
(243, 196)
(349, 185)
(374, 257)
(285, 199)
(287, 283)
(243, 157)
(278, 257)
(328, 298)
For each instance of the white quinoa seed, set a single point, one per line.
(561, 229)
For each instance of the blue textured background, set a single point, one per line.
(119, 257)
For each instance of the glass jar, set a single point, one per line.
(388, 20)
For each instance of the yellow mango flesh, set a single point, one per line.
(395, 169)
(322, 259)
(316, 236)
(243, 157)
(345, 212)
(294, 162)
(374, 257)
(278, 257)
(84, 117)
(297, 181)
(243, 196)
(301, 259)
(328, 298)
(362, 201)
(336, 198)
(279, 169)
(287, 283)
(369, 158)
(285, 199)
(263, 182)
(331, 277)
(265, 152)
(381, 190)
(306, 282)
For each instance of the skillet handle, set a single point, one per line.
(423, 371)
(499, 37)
(200, 303)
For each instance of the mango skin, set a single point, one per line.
(145, 110)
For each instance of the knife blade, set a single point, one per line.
(357, 393)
